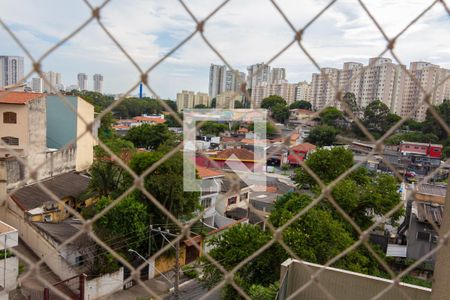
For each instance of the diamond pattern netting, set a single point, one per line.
(185, 228)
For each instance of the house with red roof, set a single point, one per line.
(238, 158)
(299, 153)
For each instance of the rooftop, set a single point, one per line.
(304, 147)
(149, 119)
(70, 184)
(10, 97)
(60, 232)
(242, 154)
(208, 173)
(431, 189)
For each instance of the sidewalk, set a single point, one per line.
(138, 292)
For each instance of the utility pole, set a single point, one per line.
(177, 269)
(176, 291)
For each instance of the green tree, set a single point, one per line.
(213, 128)
(238, 104)
(271, 101)
(412, 136)
(350, 100)
(106, 174)
(326, 164)
(125, 219)
(317, 236)
(213, 102)
(431, 125)
(149, 136)
(236, 244)
(302, 104)
(171, 122)
(357, 193)
(165, 183)
(200, 106)
(322, 135)
(280, 113)
(378, 119)
(331, 116)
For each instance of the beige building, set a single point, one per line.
(189, 99)
(226, 100)
(428, 76)
(282, 88)
(302, 91)
(23, 121)
(380, 79)
(324, 87)
(46, 133)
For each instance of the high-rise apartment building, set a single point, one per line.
(37, 85)
(233, 81)
(223, 80)
(11, 70)
(381, 79)
(189, 99)
(302, 91)
(98, 83)
(324, 88)
(52, 82)
(430, 77)
(277, 75)
(226, 100)
(217, 76)
(257, 74)
(265, 89)
(82, 81)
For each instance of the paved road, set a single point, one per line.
(193, 290)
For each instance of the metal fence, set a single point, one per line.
(184, 228)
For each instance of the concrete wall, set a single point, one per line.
(61, 121)
(85, 142)
(341, 284)
(38, 243)
(37, 135)
(18, 130)
(11, 274)
(104, 285)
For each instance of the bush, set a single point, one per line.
(189, 271)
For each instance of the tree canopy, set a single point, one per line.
(322, 135)
(213, 128)
(280, 113)
(150, 136)
(378, 118)
(302, 104)
(165, 183)
(271, 101)
(233, 246)
(431, 125)
(331, 116)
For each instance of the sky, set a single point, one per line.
(244, 32)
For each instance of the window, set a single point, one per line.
(423, 236)
(10, 140)
(79, 261)
(47, 218)
(232, 200)
(244, 196)
(206, 202)
(10, 117)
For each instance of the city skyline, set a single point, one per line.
(343, 33)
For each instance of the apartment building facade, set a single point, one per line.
(98, 83)
(11, 70)
(302, 91)
(282, 88)
(425, 78)
(189, 99)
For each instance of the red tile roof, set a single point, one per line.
(256, 142)
(149, 119)
(242, 154)
(10, 97)
(305, 147)
(206, 173)
(121, 127)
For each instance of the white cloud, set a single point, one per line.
(245, 32)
